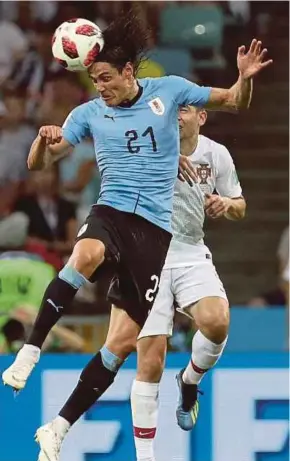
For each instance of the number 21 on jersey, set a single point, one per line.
(133, 136)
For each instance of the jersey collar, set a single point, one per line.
(136, 98)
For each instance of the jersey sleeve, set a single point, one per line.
(186, 92)
(75, 127)
(227, 181)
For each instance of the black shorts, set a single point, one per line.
(135, 254)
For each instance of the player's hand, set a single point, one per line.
(250, 63)
(216, 206)
(186, 171)
(51, 134)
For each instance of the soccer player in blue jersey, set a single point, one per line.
(134, 124)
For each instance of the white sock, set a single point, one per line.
(205, 355)
(61, 426)
(144, 405)
(29, 349)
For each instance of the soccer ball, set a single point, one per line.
(76, 44)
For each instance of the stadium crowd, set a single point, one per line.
(40, 212)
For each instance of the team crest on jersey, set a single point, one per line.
(204, 172)
(157, 106)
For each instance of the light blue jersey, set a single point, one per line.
(137, 147)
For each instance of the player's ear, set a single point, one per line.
(128, 71)
(202, 117)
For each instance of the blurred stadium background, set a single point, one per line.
(245, 410)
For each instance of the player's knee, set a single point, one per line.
(122, 347)
(214, 320)
(87, 255)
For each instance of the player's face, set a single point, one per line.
(113, 86)
(190, 120)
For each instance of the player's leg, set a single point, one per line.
(132, 292)
(94, 380)
(151, 349)
(211, 316)
(145, 392)
(88, 254)
(210, 311)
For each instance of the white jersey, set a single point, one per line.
(216, 171)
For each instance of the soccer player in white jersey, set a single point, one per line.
(190, 280)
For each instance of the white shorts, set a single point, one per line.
(184, 286)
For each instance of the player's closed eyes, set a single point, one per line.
(107, 78)
(104, 78)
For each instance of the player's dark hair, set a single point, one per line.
(126, 40)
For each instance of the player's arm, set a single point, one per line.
(233, 99)
(240, 94)
(48, 147)
(54, 142)
(229, 202)
(217, 206)
(236, 208)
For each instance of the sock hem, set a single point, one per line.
(144, 388)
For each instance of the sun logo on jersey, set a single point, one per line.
(204, 172)
(157, 106)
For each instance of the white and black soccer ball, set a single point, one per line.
(76, 44)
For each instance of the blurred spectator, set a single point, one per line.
(16, 138)
(52, 219)
(23, 279)
(36, 66)
(15, 11)
(13, 46)
(80, 178)
(283, 250)
(283, 257)
(62, 93)
(285, 283)
(20, 321)
(270, 298)
(241, 10)
(24, 18)
(276, 297)
(13, 225)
